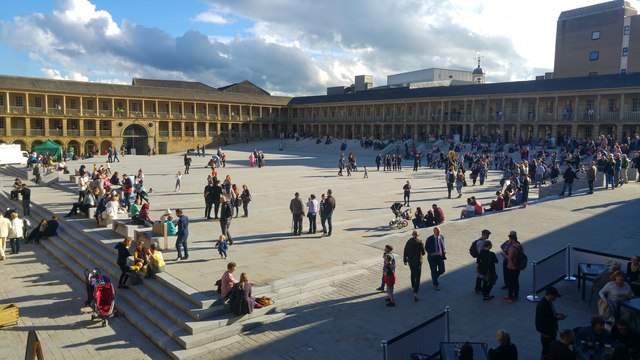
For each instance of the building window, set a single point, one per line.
(594, 55)
(18, 100)
(549, 107)
(635, 105)
(611, 104)
(593, 73)
(514, 107)
(73, 104)
(595, 35)
(625, 51)
(623, 71)
(627, 30)
(1, 100)
(134, 106)
(56, 103)
(105, 105)
(38, 102)
(89, 104)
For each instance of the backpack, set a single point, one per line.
(452, 178)
(473, 249)
(521, 258)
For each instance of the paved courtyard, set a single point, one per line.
(350, 320)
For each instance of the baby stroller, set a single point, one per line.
(101, 295)
(402, 217)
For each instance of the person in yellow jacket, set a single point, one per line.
(156, 261)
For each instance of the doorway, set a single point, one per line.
(136, 140)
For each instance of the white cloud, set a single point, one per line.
(57, 74)
(296, 47)
(211, 16)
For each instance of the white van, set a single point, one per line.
(11, 154)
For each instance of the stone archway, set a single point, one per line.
(23, 145)
(73, 146)
(90, 147)
(136, 139)
(104, 146)
(35, 143)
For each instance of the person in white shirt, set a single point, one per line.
(5, 226)
(16, 232)
(312, 211)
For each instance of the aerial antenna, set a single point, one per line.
(478, 58)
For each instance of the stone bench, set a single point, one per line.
(74, 178)
(157, 234)
(91, 212)
(120, 216)
(126, 228)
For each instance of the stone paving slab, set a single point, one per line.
(50, 301)
(352, 320)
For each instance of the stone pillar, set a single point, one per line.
(26, 104)
(45, 124)
(7, 125)
(574, 131)
(64, 126)
(596, 130)
(113, 109)
(46, 104)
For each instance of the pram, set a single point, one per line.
(101, 295)
(402, 217)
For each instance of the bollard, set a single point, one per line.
(569, 276)
(533, 296)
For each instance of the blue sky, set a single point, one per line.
(289, 47)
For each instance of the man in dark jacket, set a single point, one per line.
(208, 199)
(26, 200)
(297, 210)
(226, 214)
(413, 252)
(327, 212)
(183, 234)
(547, 319)
(569, 175)
(215, 196)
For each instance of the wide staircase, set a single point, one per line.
(180, 320)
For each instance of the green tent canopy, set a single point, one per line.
(49, 148)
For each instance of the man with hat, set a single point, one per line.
(547, 319)
(388, 249)
(479, 244)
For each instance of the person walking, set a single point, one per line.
(389, 277)
(436, 255)
(187, 163)
(178, 187)
(413, 252)
(226, 214)
(524, 186)
(450, 178)
(297, 210)
(183, 234)
(327, 212)
(407, 192)
(547, 319)
(312, 210)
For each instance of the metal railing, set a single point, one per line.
(163, 133)
(89, 113)
(105, 132)
(89, 132)
(104, 113)
(18, 132)
(73, 132)
(150, 114)
(176, 134)
(36, 132)
(36, 110)
(55, 132)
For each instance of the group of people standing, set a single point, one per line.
(324, 208)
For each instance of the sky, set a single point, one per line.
(287, 47)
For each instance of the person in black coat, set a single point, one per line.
(506, 350)
(123, 256)
(547, 319)
(487, 261)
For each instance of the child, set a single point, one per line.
(222, 246)
(366, 173)
(389, 278)
(178, 182)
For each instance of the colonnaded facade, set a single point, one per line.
(171, 116)
(168, 116)
(577, 107)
